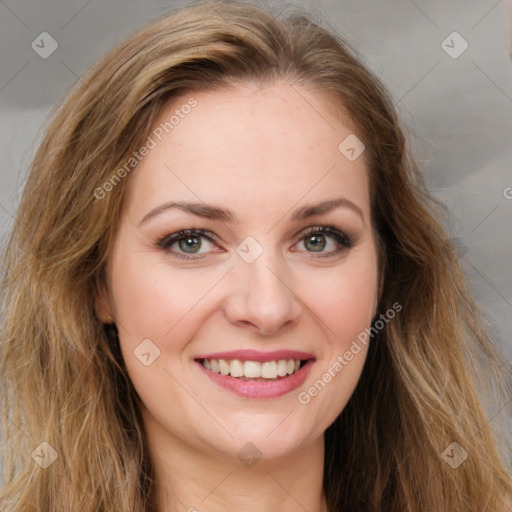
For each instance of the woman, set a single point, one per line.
(227, 289)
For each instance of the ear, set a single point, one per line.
(103, 305)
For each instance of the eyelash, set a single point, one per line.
(344, 240)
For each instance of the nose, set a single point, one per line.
(261, 297)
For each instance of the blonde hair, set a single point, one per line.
(63, 379)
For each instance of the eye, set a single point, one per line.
(316, 239)
(187, 242)
(193, 243)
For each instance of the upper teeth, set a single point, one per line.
(253, 369)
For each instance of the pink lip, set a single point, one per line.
(271, 389)
(256, 355)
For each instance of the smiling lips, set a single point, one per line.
(256, 374)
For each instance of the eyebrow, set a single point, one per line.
(215, 213)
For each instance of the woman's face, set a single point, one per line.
(255, 169)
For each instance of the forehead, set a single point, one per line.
(269, 147)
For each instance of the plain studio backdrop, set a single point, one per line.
(447, 64)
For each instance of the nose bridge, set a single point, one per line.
(260, 294)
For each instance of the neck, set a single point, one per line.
(191, 479)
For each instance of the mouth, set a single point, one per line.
(253, 374)
(254, 371)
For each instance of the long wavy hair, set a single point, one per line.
(63, 380)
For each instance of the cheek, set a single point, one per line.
(345, 299)
(344, 305)
(147, 297)
(154, 311)
(157, 302)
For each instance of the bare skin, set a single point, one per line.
(262, 153)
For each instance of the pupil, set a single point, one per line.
(318, 242)
(190, 243)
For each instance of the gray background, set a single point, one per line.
(459, 110)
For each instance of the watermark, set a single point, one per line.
(304, 397)
(249, 249)
(507, 192)
(460, 247)
(249, 455)
(454, 455)
(454, 45)
(44, 45)
(351, 147)
(45, 455)
(156, 136)
(146, 352)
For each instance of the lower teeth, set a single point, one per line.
(259, 379)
